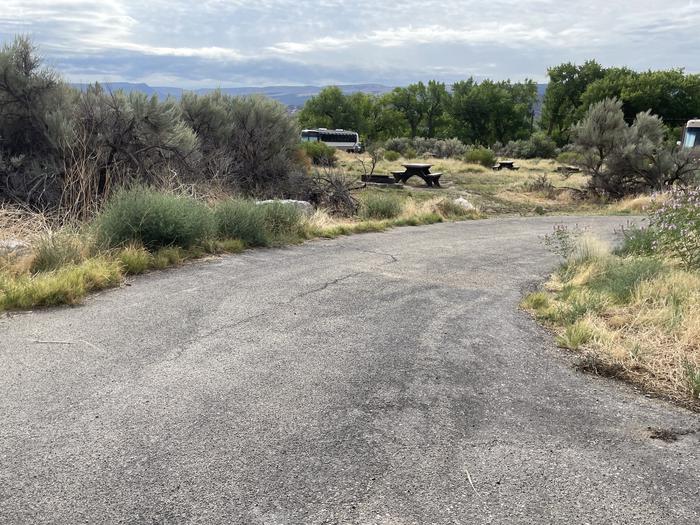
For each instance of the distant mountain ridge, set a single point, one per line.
(292, 96)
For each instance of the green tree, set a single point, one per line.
(35, 104)
(562, 100)
(36, 110)
(332, 109)
(410, 102)
(490, 111)
(671, 94)
(434, 98)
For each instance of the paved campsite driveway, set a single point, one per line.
(382, 378)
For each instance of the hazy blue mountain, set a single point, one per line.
(293, 96)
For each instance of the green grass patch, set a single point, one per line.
(692, 377)
(620, 276)
(576, 335)
(536, 301)
(637, 241)
(231, 245)
(419, 219)
(134, 259)
(380, 206)
(168, 256)
(67, 285)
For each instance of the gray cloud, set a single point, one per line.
(239, 42)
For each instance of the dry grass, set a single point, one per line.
(633, 205)
(589, 248)
(507, 192)
(22, 224)
(496, 192)
(650, 336)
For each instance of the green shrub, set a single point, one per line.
(421, 146)
(56, 250)
(380, 206)
(569, 158)
(398, 144)
(258, 224)
(320, 153)
(539, 145)
(242, 219)
(676, 223)
(283, 222)
(480, 155)
(392, 156)
(154, 219)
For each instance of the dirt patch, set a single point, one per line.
(669, 435)
(592, 364)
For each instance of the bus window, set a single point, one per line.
(692, 138)
(309, 136)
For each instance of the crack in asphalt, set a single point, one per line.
(393, 257)
(325, 285)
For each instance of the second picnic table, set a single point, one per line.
(419, 170)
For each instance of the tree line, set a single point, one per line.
(474, 112)
(671, 94)
(490, 112)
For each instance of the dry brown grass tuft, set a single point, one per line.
(637, 204)
(23, 224)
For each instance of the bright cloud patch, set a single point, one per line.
(233, 42)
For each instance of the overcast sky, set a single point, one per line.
(264, 42)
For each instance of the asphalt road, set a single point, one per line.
(382, 378)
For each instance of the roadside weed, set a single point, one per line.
(576, 335)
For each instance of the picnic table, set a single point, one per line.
(505, 164)
(418, 170)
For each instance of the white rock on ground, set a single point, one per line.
(304, 207)
(13, 247)
(464, 203)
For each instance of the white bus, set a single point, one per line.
(691, 135)
(336, 138)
